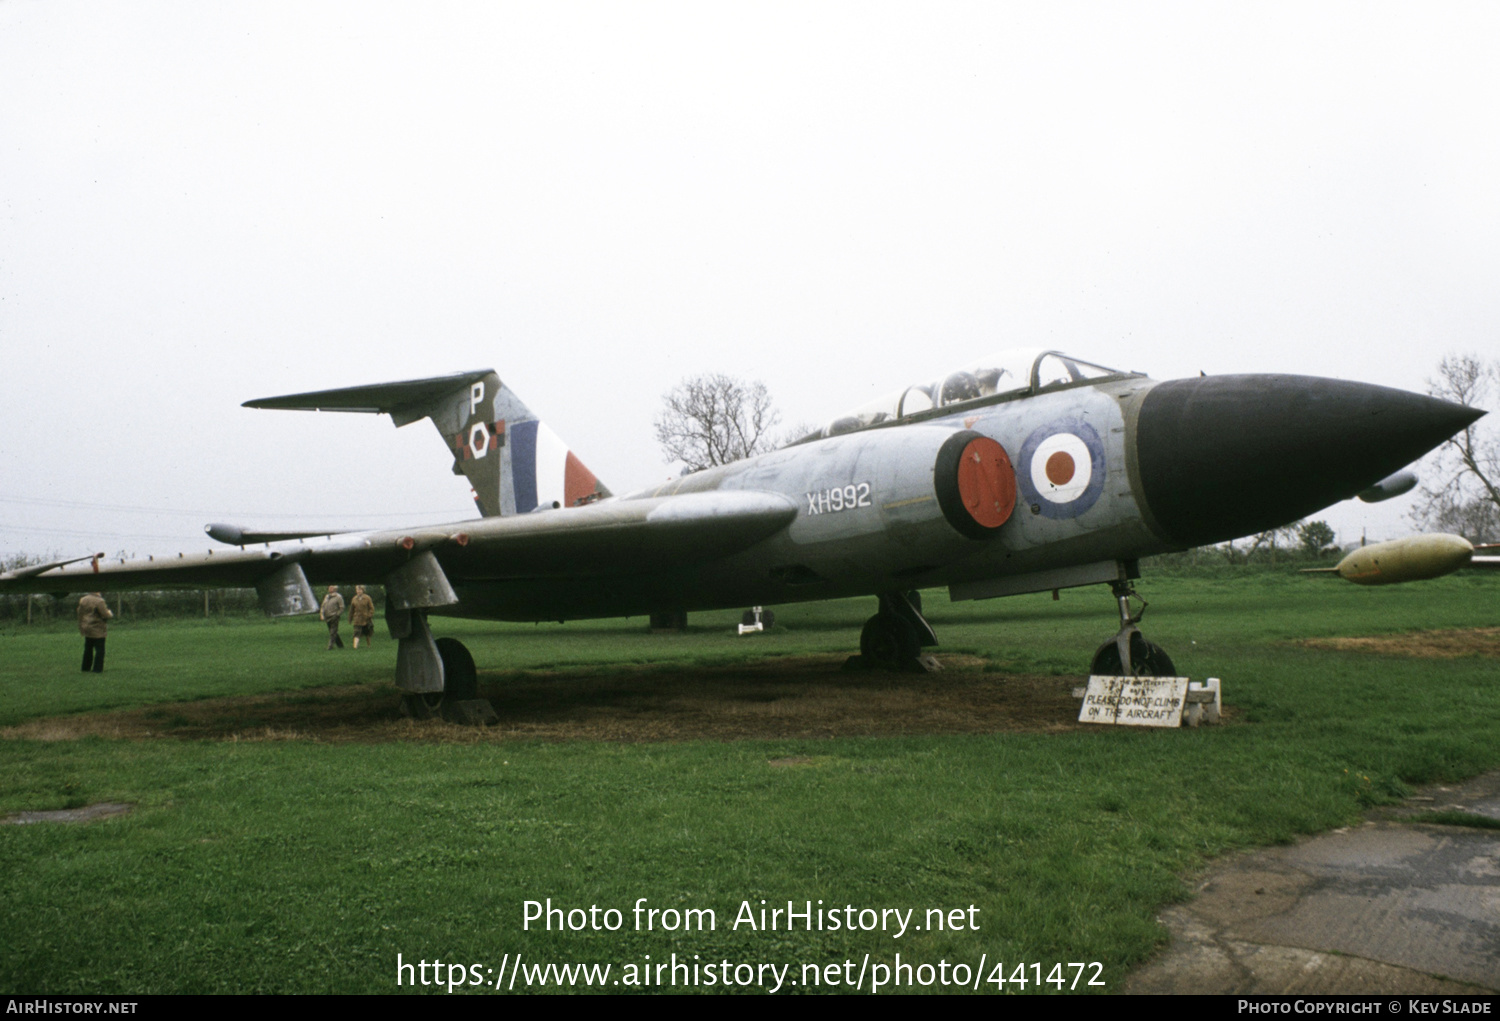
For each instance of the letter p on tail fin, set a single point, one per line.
(514, 462)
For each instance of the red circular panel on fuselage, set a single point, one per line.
(986, 482)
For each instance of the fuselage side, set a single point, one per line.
(869, 518)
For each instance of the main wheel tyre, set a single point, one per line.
(1148, 658)
(460, 678)
(460, 682)
(889, 641)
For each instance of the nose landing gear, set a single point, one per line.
(1128, 654)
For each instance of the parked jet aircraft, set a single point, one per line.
(1028, 471)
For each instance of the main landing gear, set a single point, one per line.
(436, 676)
(1128, 654)
(460, 683)
(894, 638)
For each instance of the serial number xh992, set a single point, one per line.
(839, 498)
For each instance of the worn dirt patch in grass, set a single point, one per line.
(794, 697)
(88, 813)
(1484, 641)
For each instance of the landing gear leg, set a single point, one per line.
(1128, 654)
(893, 639)
(460, 682)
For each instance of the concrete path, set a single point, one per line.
(1390, 906)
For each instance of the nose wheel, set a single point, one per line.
(1128, 654)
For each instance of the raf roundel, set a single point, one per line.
(1062, 468)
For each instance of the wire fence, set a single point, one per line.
(16, 608)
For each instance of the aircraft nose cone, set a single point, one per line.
(1220, 457)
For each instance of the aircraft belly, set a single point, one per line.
(632, 596)
(747, 579)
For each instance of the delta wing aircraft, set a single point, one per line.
(1028, 471)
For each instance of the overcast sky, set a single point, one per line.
(202, 204)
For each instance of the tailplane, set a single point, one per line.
(515, 463)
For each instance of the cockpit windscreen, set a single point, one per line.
(1014, 373)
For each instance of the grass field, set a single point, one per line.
(314, 835)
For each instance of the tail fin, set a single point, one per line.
(514, 462)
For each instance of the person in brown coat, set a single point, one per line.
(332, 611)
(93, 614)
(362, 615)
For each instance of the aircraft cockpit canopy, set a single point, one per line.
(1016, 373)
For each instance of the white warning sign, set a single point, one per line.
(1134, 701)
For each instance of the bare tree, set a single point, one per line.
(715, 419)
(1270, 537)
(16, 561)
(800, 433)
(1467, 498)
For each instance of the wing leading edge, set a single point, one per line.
(616, 537)
(406, 401)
